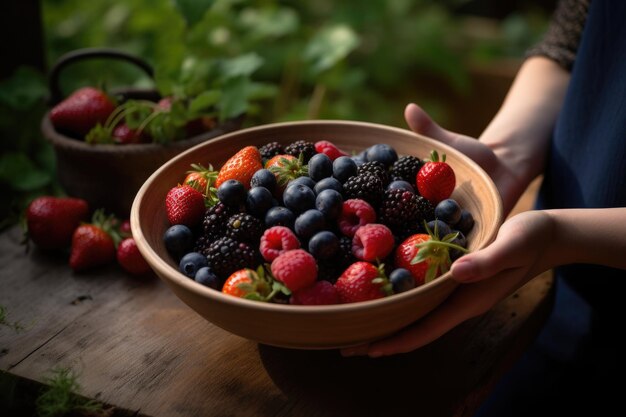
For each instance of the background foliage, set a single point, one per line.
(278, 60)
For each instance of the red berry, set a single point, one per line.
(124, 135)
(362, 281)
(354, 214)
(320, 293)
(93, 244)
(372, 242)
(277, 240)
(129, 257)
(81, 111)
(436, 179)
(184, 205)
(295, 268)
(329, 149)
(51, 221)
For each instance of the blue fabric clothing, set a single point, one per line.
(570, 368)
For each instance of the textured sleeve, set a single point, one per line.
(561, 39)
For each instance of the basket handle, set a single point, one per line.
(87, 53)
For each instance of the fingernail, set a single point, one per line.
(464, 270)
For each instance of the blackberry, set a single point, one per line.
(307, 149)
(331, 269)
(214, 222)
(244, 227)
(399, 208)
(213, 225)
(375, 168)
(426, 209)
(226, 255)
(367, 187)
(270, 150)
(345, 257)
(406, 169)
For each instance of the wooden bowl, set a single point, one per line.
(310, 327)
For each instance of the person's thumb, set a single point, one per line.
(420, 122)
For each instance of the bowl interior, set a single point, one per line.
(303, 326)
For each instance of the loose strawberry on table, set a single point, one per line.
(94, 244)
(51, 221)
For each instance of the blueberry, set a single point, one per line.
(358, 159)
(401, 185)
(330, 203)
(299, 198)
(308, 181)
(448, 211)
(232, 193)
(324, 245)
(439, 228)
(461, 241)
(279, 216)
(178, 240)
(259, 201)
(263, 178)
(466, 222)
(320, 167)
(191, 263)
(207, 278)
(401, 280)
(329, 183)
(343, 168)
(309, 223)
(382, 153)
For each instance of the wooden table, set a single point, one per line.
(137, 347)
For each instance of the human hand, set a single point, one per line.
(519, 253)
(506, 180)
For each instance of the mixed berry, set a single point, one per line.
(308, 224)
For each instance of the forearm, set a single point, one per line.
(520, 132)
(592, 236)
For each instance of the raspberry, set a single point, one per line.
(320, 293)
(277, 240)
(355, 213)
(329, 149)
(295, 268)
(372, 242)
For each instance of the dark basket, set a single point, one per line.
(109, 176)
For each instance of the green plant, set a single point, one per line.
(59, 397)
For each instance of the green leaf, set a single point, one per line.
(23, 89)
(204, 101)
(243, 65)
(193, 10)
(17, 170)
(329, 46)
(234, 101)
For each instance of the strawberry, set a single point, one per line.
(277, 240)
(425, 255)
(330, 149)
(355, 213)
(129, 257)
(320, 293)
(124, 135)
(240, 167)
(362, 281)
(372, 242)
(51, 221)
(287, 168)
(296, 269)
(203, 179)
(81, 111)
(254, 285)
(184, 205)
(94, 244)
(436, 179)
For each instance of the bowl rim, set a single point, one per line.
(163, 269)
